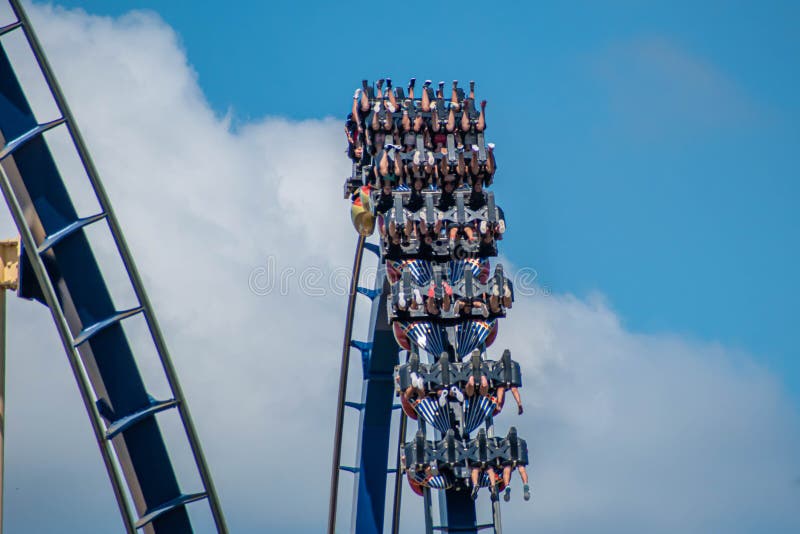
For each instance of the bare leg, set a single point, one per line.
(454, 96)
(418, 122)
(390, 93)
(469, 389)
(474, 164)
(515, 393)
(484, 389)
(426, 99)
(465, 116)
(507, 475)
(451, 120)
(405, 121)
(481, 125)
(364, 97)
(523, 474)
(411, 88)
(383, 164)
(501, 397)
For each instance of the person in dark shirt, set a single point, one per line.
(477, 198)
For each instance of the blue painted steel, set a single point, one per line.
(460, 512)
(378, 400)
(86, 302)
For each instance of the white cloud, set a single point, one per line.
(629, 433)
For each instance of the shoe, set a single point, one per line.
(507, 494)
(520, 410)
(483, 227)
(457, 393)
(418, 297)
(495, 496)
(412, 82)
(443, 398)
(388, 83)
(474, 493)
(475, 148)
(417, 158)
(357, 94)
(431, 159)
(380, 84)
(401, 301)
(390, 107)
(527, 494)
(427, 83)
(490, 146)
(414, 380)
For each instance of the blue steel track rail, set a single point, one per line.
(68, 279)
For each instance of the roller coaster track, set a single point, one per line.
(60, 269)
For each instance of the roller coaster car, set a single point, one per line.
(444, 373)
(410, 292)
(460, 338)
(450, 455)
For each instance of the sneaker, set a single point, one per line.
(457, 393)
(495, 496)
(501, 226)
(390, 107)
(474, 493)
(417, 296)
(401, 300)
(519, 410)
(431, 159)
(483, 227)
(475, 148)
(414, 380)
(490, 146)
(527, 494)
(380, 84)
(388, 83)
(357, 94)
(427, 83)
(443, 398)
(412, 82)
(507, 494)
(417, 157)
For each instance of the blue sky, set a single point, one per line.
(646, 156)
(647, 150)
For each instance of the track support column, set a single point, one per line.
(9, 278)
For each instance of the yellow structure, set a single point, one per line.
(9, 270)
(9, 278)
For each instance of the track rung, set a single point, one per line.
(68, 230)
(14, 144)
(93, 329)
(11, 27)
(363, 346)
(162, 509)
(356, 405)
(349, 469)
(126, 422)
(369, 293)
(372, 247)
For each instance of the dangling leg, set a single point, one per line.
(507, 482)
(465, 116)
(426, 99)
(472, 89)
(391, 95)
(484, 390)
(405, 121)
(454, 96)
(451, 120)
(515, 393)
(364, 97)
(481, 125)
(383, 163)
(411, 84)
(469, 389)
(379, 94)
(475, 487)
(523, 474)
